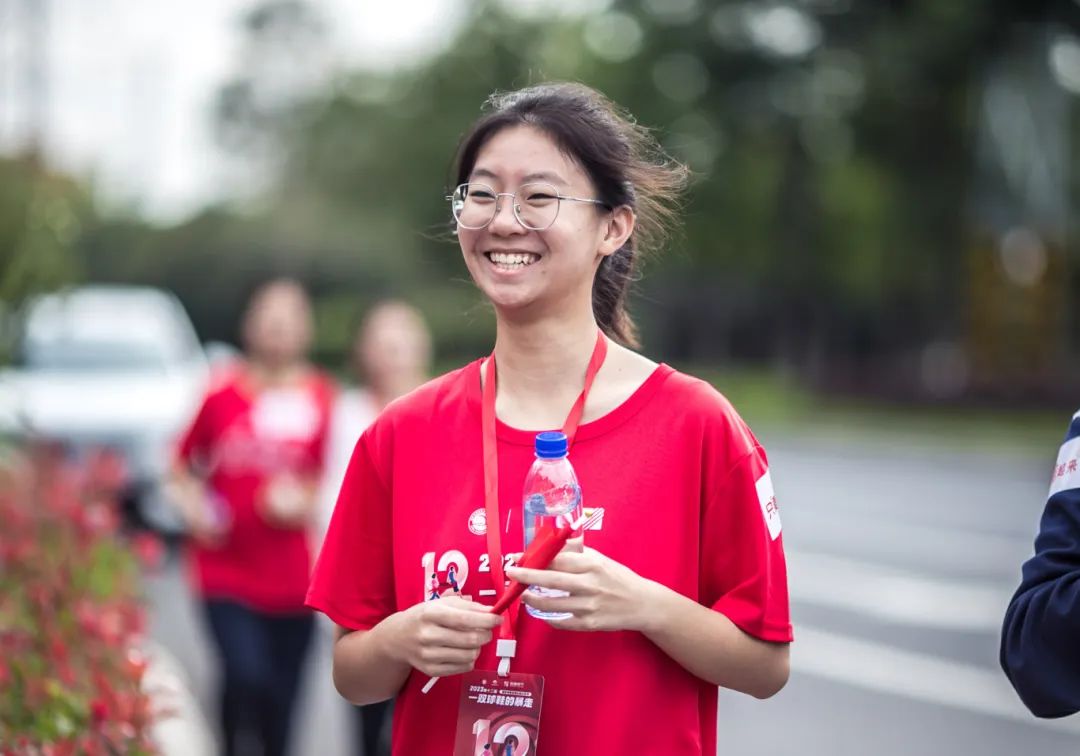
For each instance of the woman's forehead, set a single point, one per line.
(522, 154)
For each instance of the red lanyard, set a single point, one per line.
(491, 473)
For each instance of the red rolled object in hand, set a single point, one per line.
(547, 543)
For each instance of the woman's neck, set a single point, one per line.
(541, 368)
(265, 375)
(386, 390)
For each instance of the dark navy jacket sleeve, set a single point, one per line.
(1040, 639)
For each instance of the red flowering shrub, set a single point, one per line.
(71, 620)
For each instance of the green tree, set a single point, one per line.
(41, 217)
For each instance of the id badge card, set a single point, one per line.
(498, 716)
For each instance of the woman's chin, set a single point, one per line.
(508, 296)
(513, 305)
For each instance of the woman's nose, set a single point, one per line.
(505, 221)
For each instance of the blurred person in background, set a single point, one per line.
(390, 356)
(683, 587)
(246, 481)
(1040, 640)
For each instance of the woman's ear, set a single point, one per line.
(618, 227)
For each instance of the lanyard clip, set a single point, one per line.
(505, 649)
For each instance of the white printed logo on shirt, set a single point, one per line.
(478, 522)
(1066, 473)
(288, 414)
(767, 500)
(588, 512)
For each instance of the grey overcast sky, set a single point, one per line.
(129, 84)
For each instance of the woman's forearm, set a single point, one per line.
(365, 669)
(711, 646)
(187, 494)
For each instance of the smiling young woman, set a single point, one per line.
(681, 589)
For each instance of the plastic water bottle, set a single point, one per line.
(552, 496)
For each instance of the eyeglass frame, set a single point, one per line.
(514, 204)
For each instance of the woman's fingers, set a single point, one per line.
(458, 614)
(582, 611)
(572, 562)
(585, 615)
(576, 605)
(579, 624)
(462, 639)
(452, 656)
(560, 581)
(449, 635)
(445, 670)
(574, 545)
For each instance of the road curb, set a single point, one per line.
(180, 729)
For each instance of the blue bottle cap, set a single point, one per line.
(551, 445)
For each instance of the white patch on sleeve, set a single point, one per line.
(1066, 472)
(767, 500)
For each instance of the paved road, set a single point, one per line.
(323, 723)
(901, 562)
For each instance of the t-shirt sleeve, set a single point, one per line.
(353, 580)
(744, 571)
(325, 396)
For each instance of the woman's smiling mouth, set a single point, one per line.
(511, 260)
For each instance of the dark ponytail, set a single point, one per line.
(625, 163)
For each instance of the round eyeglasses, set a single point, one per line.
(535, 205)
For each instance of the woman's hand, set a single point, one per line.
(204, 520)
(441, 637)
(204, 527)
(604, 595)
(286, 501)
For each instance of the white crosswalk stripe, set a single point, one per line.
(886, 669)
(895, 595)
(898, 572)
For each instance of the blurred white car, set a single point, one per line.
(116, 367)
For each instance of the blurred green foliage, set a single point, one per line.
(41, 217)
(828, 233)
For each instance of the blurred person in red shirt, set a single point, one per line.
(246, 478)
(390, 356)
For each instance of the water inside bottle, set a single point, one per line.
(556, 506)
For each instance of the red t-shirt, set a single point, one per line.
(240, 440)
(688, 503)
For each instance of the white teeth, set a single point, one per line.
(513, 259)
